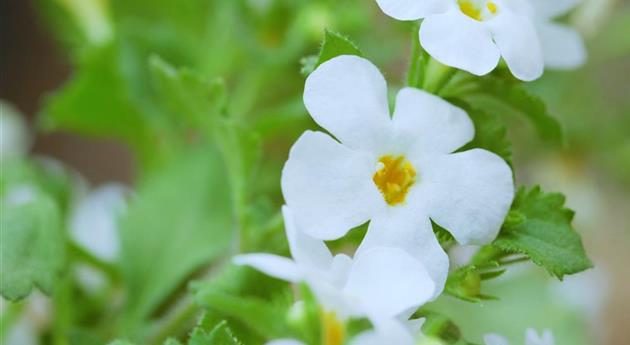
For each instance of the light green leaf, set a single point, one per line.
(334, 45)
(188, 95)
(96, 101)
(503, 96)
(221, 334)
(180, 220)
(256, 305)
(544, 233)
(32, 247)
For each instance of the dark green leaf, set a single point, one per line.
(508, 97)
(543, 232)
(490, 132)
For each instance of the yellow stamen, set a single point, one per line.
(394, 177)
(469, 9)
(492, 7)
(334, 331)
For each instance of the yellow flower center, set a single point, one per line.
(393, 178)
(333, 330)
(478, 10)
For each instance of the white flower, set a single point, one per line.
(474, 34)
(398, 172)
(531, 338)
(381, 283)
(562, 46)
(93, 222)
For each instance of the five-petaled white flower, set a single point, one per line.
(531, 338)
(383, 284)
(474, 34)
(398, 172)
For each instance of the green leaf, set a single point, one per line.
(263, 310)
(120, 342)
(334, 45)
(507, 97)
(490, 132)
(188, 95)
(180, 220)
(221, 334)
(96, 101)
(32, 247)
(544, 233)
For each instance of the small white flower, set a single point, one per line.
(93, 222)
(399, 172)
(562, 46)
(531, 338)
(474, 34)
(381, 283)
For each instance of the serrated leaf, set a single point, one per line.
(544, 233)
(333, 45)
(180, 220)
(505, 96)
(32, 247)
(221, 334)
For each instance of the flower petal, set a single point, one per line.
(273, 265)
(467, 193)
(387, 281)
(329, 187)
(306, 250)
(410, 230)
(430, 123)
(347, 96)
(495, 339)
(562, 46)
(517, 39)
(457, 40)
(93, 223)
(551, 9)
(412, 9)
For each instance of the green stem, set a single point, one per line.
(83, 255)
(176, 322)
(415, 74)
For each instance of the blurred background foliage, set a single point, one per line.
(195, 104)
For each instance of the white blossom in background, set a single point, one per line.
(383, 284)
(399, 172)
(473, 35)
(562, 45)
(531, 338)
(93, 221)
(15, 139)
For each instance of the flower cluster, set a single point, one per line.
(403, 171)
(474, 34)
